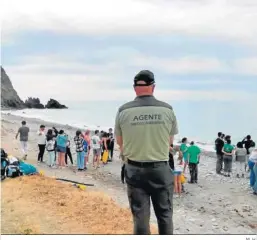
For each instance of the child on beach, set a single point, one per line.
(194, 159)
(241, 155)
(68, 153)
(228, 153)
(86, 153)
(41, 143)
(110, 144)
(55, 133)
(87, 138)
(104, 143)
(179, 180)
(79, 139)
(50, 147)
(183, 149)
(96, 145)
(61, 147)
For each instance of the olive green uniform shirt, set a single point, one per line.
(145, 126)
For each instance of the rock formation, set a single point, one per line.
(54, 104)
(34, 103)
(9, 97)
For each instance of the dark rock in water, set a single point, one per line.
(34, 103)
(9, 97)
(54, 104)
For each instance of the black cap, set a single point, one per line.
(146, 76)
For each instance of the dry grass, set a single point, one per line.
(44, 205)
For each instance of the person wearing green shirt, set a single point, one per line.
(194, 158)
(228, 150)
(183, 149)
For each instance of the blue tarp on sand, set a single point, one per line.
(27, 169)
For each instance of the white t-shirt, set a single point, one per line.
(41, 138)
(253, 156)
(95, 142)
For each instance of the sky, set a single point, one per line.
(203, 54)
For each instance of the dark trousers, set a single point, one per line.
(55, 155)
(171, 161)
(110, 149)
(193, 169)
(154, 182)
(219, 163)
(41, 148)
(227, 163)
(68, 154)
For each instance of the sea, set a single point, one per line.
(101, 116)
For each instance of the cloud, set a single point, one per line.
(217, 18)
(183, 65)
(56, 64)
(66, 78)
(246, 66)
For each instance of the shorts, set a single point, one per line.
(177, 173)
(61, 149)
(97, 152)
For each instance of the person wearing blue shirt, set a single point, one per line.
(61, 140)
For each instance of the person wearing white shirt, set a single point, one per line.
(41, 143)
(96, 145)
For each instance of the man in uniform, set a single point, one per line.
(144, 129)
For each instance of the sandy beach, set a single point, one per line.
(216, 205)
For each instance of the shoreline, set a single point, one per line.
(53, 123)
(37, 120)
(49, 122)
(216, 205)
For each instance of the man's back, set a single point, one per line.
(146, 125)
(193, 152)
(219, 143)
(95, 142)
(24, 133)
(247, 144)
(144, 130)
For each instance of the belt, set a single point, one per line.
(146, 164)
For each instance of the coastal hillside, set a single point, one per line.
(9, 97)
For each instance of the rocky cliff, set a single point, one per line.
(9, 97)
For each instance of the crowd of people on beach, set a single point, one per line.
(244, 155)
(57, 144)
